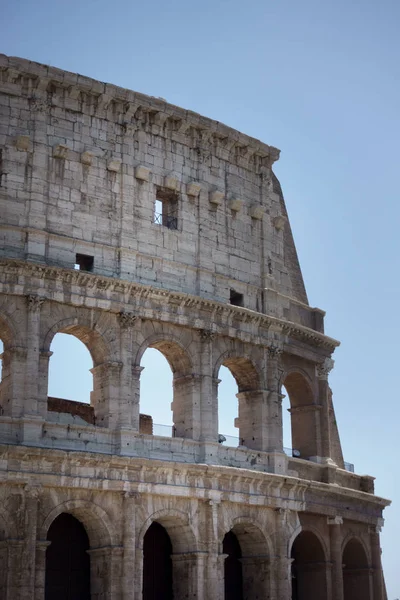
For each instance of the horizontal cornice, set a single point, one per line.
(129, 296)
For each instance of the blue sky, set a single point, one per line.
(319, 80)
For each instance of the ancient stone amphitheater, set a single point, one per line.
(133, 224)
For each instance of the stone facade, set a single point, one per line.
(133, 224)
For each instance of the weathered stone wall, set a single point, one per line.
(82, 165)
(83, 162)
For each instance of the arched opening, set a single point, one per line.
(304, 416)
(156, 394)
(356, 585)
(157, 564)
(70, 383)
(227, 408)
(159, 359)
(309, 577)
(286, 423)
(67, 560)
(233, 576)
(249, 420)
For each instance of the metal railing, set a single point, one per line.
(165, 220)
(232, 441)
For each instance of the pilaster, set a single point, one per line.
(335, 531)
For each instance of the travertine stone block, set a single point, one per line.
(142, 173)
(172, 183)
(60, 151)
(23, 143)
(235, 204)
(114, 165)
(257, 211)
(216, 197)
(193, 189)
(86, 158)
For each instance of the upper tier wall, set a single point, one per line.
(82, 164)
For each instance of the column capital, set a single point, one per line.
(127, 319)
(275, 351)
(35, 302)
(207, 335)
(323, 369)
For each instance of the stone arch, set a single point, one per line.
(96, 521)
(254, 559)
(304, 412)
(93, 339)
(172, 348)
(356, 569)
(309, 565)
(243, 369)
(250, 420)
(104, 352)
(186, 422)
(177, 525)
(311, 529)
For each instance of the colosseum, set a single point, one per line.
(130, 224)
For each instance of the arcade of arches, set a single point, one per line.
(73, 571)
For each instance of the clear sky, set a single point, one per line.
(319, 79)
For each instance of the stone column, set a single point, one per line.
(28, 571)
(44, 363)
(377, 578)
(322, 372)
(105, 572)
(13, 381)
(185, 575)
(105, 395)
(213, 575)
(15, 563)
(274, 426)
(256, 583)
(208, 390)
(129, 395)
(40, 580)
(335, 530)
(129, 538)
(253, 419)
(281, 570)
(186, 406)
(32, 401)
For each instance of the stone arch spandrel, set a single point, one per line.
(178, 526)
(96, 521)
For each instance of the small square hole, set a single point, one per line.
(84, 262)
(235, 298)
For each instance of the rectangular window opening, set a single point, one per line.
(84, 262)
(235, 298)
(166, 209)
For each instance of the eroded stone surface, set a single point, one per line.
(213, 279)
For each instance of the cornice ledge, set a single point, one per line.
(43, 76)
(226, 311)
